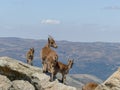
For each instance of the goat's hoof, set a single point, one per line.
(50, 80)
(65, 83)
(44, 71)
(62, 81)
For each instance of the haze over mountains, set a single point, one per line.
(98, 58)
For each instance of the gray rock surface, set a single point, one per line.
(112, 83)
(5, 83)
(22, 85)
(17, 70)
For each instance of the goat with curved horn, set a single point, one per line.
(30, 56)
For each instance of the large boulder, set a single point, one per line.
(5, 83)
(112, 83)
(22, 85)
(17, 70)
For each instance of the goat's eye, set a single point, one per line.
(51, 42)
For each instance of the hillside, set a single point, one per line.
(98, 58)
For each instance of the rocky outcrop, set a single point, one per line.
(16, 75)
(22, 85)
(112, 83)
(5, 83)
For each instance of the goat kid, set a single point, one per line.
(30, 56)
(59, 67)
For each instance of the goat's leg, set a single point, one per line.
(27, 60)
(63, 78)
(44, 67)
(53, 73)
(31, 63)
(47, 68)
(51, 77)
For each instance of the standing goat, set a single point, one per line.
(30, 56)
(47, 53)
(60, 68)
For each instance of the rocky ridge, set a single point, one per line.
(16, 75)
(112, 83)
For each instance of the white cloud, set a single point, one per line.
(50, 21)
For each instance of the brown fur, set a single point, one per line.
(90, 86)
(47, 53)
(30, 56)
(59, 67)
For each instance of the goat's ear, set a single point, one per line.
(33, 50)
(48, 40)
(50, 36)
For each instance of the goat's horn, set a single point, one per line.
(50, 36)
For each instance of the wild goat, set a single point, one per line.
(47, 53)
(90, 86)
(59, 67)
(30, 56)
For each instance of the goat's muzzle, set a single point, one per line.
(55, 46)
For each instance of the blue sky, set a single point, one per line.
(72, 20)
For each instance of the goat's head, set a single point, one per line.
(51, 42)
(70, 63)
(32, 50)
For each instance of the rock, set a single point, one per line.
(5, 83)
(17, 70)
(46, 85)
(22, 85)
(112, 83)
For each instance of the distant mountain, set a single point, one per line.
(98, 58)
